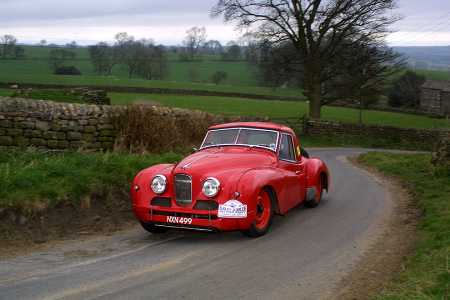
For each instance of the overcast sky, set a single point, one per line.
(426, 22)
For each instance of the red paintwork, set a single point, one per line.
(239, 169)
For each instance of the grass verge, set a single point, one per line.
(28, 178)
(427, 273)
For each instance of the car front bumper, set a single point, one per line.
(199, 220)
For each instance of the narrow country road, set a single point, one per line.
(304, 256)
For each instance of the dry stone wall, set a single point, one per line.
(54, 125)
(422, 138)
(51, 125)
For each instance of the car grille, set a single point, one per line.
(161, 201)
(183, 189)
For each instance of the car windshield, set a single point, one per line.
(243, 137)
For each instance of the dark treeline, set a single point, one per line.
(142, 57)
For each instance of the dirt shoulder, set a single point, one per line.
(96, 215)
(395, 239)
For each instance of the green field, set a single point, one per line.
(281, 109)
(426, 275)
(241, 79)
(434, 74)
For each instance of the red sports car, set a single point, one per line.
(241, 176)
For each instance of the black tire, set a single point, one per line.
(150, 227)
(313, 203)
(256, 231)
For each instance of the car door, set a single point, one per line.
(294, 172)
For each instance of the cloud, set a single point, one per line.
(88, 21)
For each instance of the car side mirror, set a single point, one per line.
(194, 149)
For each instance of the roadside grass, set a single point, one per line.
(30, 177)
(427, 272)
(280, 109)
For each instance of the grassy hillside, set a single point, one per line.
(426, 275)
(281, 109)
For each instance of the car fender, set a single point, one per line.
(252, 181)
(315, 167)
(141, 182)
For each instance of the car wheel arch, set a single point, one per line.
(273, 196)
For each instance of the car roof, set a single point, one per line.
(259, 125)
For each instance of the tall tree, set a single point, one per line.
(316, 28)
(194, 40)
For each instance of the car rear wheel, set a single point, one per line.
(150, 227)
(264, 215)
(314, 202)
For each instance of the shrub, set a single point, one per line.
(405, 91)
(71, 70)
(144, 128)
(218, 77)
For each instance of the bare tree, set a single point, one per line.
(213, 47)
(316, 28)
(7, 44)
(194, 40)
(102, 57)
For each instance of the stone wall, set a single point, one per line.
(51, 125)
(430, 100)
(422, 138)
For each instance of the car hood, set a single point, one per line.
(225, 163)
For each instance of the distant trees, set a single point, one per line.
(19, 52)
(405, 90)
(219, 76)
(9, 47)
(213, 47)
(58, 58)
(193, 42)
(232, 52)
(72, 44)
(141, 57)
(102, 58)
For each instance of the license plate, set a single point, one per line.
(179, 220)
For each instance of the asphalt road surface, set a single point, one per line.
(304, 256)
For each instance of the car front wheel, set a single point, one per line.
(264, 215)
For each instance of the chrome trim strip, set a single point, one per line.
(182, 227)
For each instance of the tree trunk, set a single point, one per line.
(315, 101)
(313, 86)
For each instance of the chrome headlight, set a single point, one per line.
(159, 184)
(211, 187)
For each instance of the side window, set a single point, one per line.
(287, 148)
